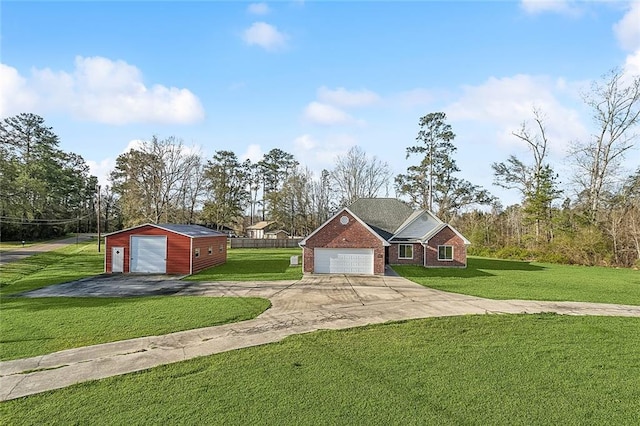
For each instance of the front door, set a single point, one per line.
(117, 259)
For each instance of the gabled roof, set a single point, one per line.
(439, 228)
(191, 231)
(383, 215)
(345, 209)
(260, 225)
(416, 226)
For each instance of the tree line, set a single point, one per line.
(594, 219)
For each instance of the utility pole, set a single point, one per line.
(98, 218)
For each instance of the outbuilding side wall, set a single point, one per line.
(218, 254)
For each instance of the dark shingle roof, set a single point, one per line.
(193, 231)
(383, 215)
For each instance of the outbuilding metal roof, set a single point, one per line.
(192, 231)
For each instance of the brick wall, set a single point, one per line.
(446, 237)
(418, 255)
(352, 235)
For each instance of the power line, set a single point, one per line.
(21, 221)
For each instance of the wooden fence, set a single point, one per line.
(264, 243)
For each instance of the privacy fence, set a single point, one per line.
(264, 243)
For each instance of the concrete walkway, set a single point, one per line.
(313, 303)
(16, 254)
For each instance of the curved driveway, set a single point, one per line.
(312, 303)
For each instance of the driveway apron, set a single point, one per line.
(315, 302)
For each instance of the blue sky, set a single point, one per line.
(312, 78)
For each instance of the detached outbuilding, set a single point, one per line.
(164, 249)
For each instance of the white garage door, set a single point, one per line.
(343, 261)
(148, 254)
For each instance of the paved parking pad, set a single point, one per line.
(114, 286)
(315, 302)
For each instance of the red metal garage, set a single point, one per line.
(164, 249)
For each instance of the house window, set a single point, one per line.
(221, 248)
(197, 252)
(405, 251)
(210, 250)
(445, 252)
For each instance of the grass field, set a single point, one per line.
(254, 265)
(69, 263)
(36, 326)
(507, 279)
(31, 327)
(494, 369)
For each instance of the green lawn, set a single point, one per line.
(254, 265)
(39, 326)
(35, 326)
(69, 263)
(509, 279)
(493, 369)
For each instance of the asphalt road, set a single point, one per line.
(23, 252)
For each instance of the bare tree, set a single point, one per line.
(615, 103)
(358, 176)
(537, 181)
(151, 181)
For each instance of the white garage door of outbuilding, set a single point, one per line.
(148, 254)
(343, 261)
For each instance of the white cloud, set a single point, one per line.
(566, 7)
(627, 30)
(319, 113)
(253, 153)
(258, 8)
(304, 143)
(102, 169)
(265, 35)
(347, 98)
(15, 94)
(506, 102)
(632, 64)
(135, 144)
(101, 90)
(320, 155)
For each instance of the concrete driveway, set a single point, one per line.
(312, 303)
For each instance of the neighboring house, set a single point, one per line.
(372, 232)
(222, 228)
(164, 249)
(278, 234)
(259, 229)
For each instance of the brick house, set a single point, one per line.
(372, 232)
(164, 249)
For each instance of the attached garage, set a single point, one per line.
(343, 261)
(344, 245)
(164, 249)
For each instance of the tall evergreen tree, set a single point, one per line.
(432, 184)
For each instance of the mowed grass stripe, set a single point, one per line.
(506, 369)
(37, 326)
(253, 265)
(509, 279)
